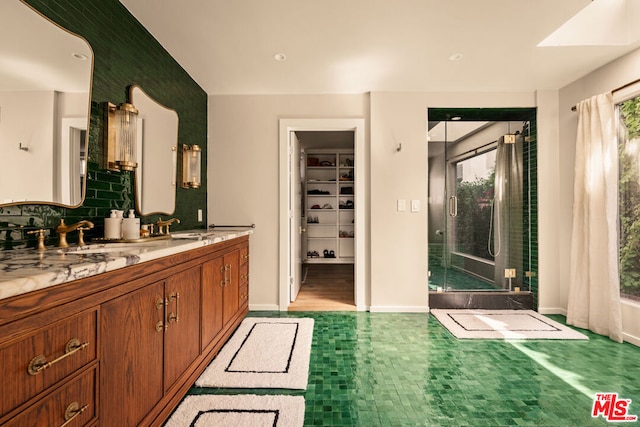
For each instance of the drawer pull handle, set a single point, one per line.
(72, 411)
(39, 363)
(174, 317)
(223, 270)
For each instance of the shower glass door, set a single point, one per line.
(479, 206)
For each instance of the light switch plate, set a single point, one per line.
(415, 206)
(402, 205)
(199, 215)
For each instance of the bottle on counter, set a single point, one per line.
(131, 226)
(113, 226)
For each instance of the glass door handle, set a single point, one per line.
(453, 206)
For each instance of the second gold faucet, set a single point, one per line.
(62, 229)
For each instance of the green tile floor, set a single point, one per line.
(392, 369)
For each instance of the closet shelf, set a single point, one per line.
(324, 231)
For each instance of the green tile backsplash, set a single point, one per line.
(124, 54)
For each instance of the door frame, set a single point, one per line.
(285, 257)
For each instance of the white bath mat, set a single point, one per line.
(263, 353)
(504, 324)
(238, 411)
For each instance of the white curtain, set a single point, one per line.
(594, 293)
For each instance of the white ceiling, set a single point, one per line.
(37, 55)
(357, 46)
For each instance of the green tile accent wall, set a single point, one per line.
(125, 53)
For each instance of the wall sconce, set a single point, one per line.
(120, 137)
(191, 156)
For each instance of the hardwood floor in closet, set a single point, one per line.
(328, 287)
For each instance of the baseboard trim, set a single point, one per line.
(631, 339)
(398, 309)
(264, 307)
(552, 310)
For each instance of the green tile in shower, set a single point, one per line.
(391, 369)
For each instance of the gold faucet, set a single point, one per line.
(160, 223)
(62, 229)
(40, 233)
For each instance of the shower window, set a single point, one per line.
(629, 197)
(475, 177)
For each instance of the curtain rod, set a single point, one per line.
(619, 88)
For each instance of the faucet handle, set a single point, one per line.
(81, 231)
(40, 236)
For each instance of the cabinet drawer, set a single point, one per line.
(34, 362)
(243, 295)
(244, 274)
(74, 400)
(244, 255)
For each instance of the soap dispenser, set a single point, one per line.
(113, 226)
(131, 226)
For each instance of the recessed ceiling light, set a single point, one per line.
(456, 118)
(80, 56)
(280, 57)
(455, 57)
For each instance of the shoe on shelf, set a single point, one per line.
(315, 207)
(346, 190)
(332, 254)
(327, 206)
(326, 253)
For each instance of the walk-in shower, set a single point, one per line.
(482, 200)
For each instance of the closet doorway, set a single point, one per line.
(321, 266)
(327, 180)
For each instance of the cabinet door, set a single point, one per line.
(231, 288)
(131, 364)
(212, 286)
(182, 337)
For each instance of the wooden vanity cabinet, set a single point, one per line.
(72, 403)
(132, 356)
(243, 289)
(223, 279)
(149, 338)
(150, 330)
(23, 370)
(182, 333)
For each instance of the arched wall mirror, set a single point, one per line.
(45, 94)
(157, 154)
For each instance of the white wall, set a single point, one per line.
(399, 239)
(606, 78)
(243, 180)
(27, 118)
(551, 248)
(243, 170)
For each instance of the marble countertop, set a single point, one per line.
(28, 270)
